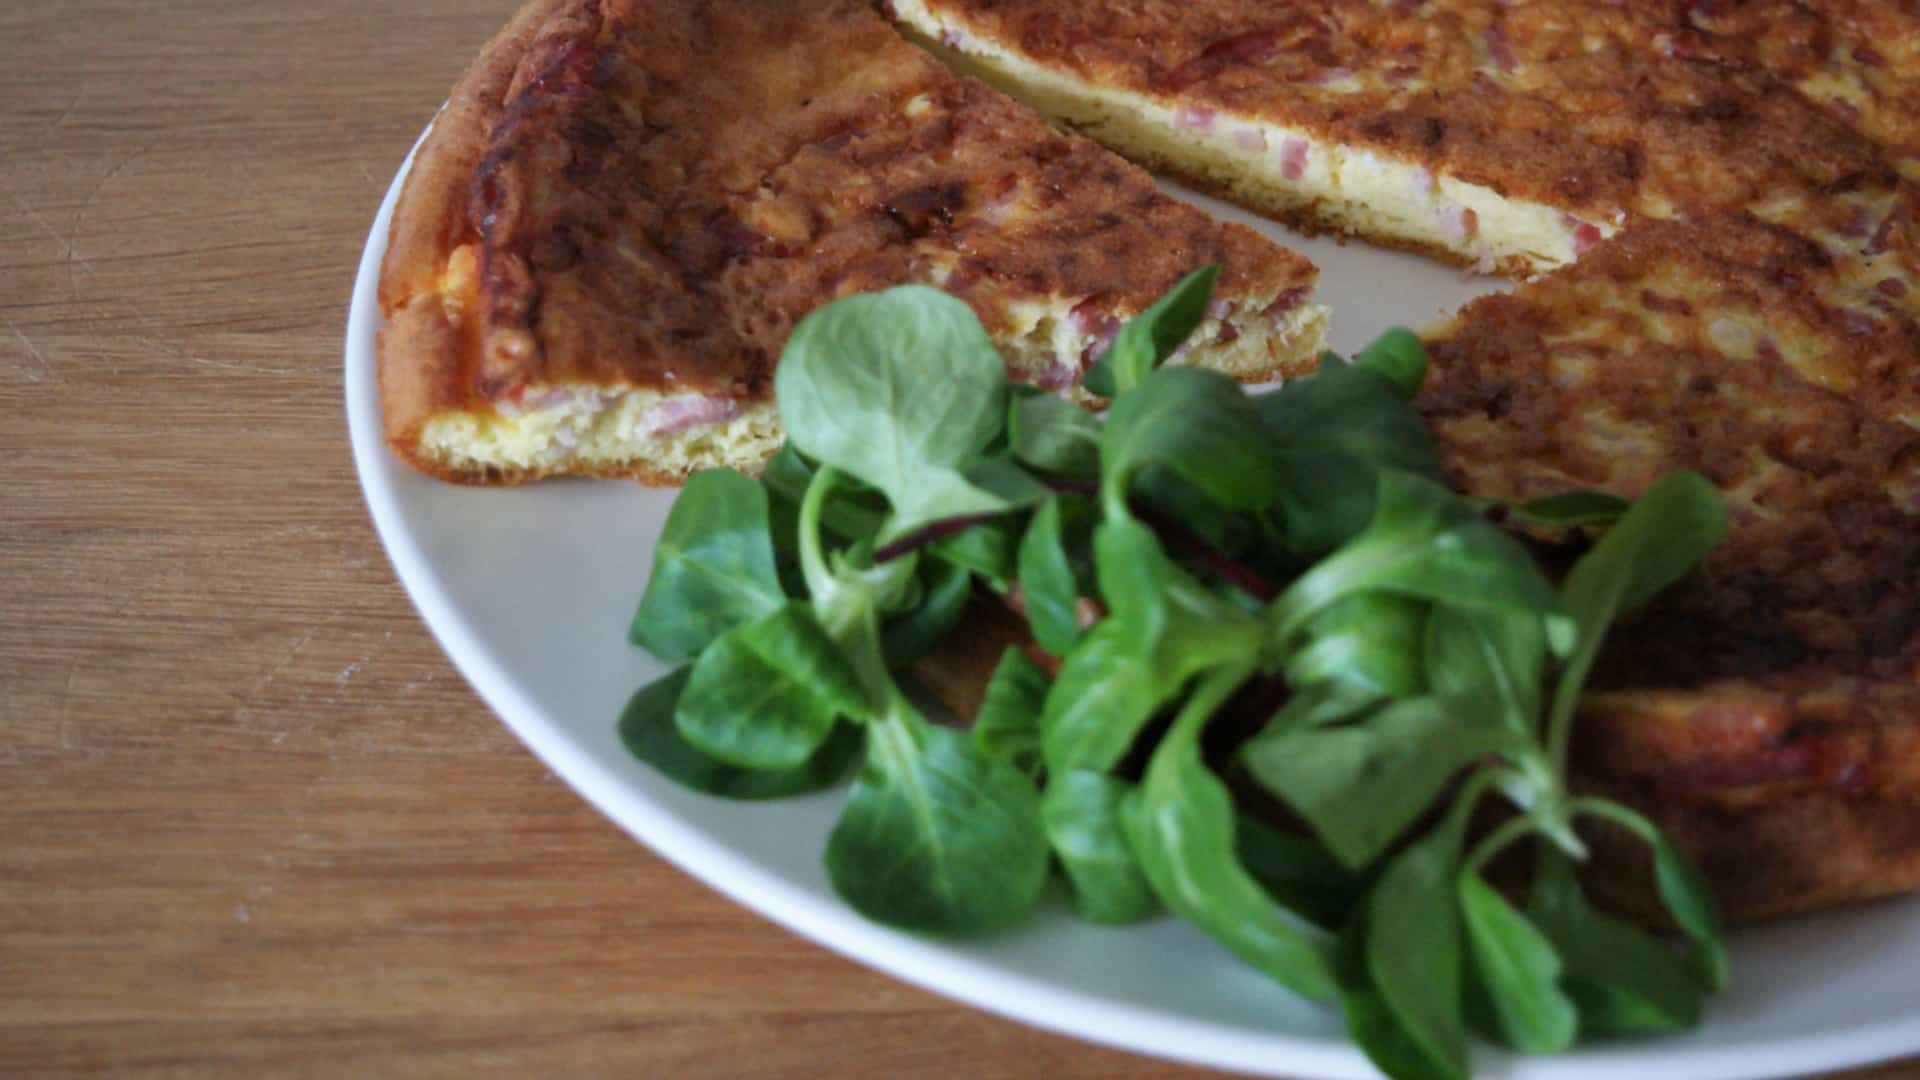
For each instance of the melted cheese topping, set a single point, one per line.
(1284, 170)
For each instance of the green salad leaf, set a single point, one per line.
(713, 568)
(854, 393)
(1148, 340)
(937, 836)
(648, 731)
(766, 694)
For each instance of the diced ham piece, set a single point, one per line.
(1883, 234)
(1893, 287)
(1869, 56)
(1081, 318)
(1500, 48)
(1585, 235)
(1252, 140)
(1227, 335)
(1460, 222)
(1242, 49)
(1293, 158)
(677, 414)
(1859, 222)
(1858, 323)
(1090, 316)
(961, 278)
(558, 396)
(1195, 117)
(1058, 375)
(1766, 350)
(1284, 304)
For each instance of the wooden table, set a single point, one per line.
(252, 820)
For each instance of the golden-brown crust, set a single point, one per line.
(1792, 794)
(425, 350)
(430, 217)
(663, 188)
(1765, 711)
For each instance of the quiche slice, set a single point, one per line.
(1505, 136)
(1766, 711)
(627, 204)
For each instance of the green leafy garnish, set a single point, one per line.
(1148, 341)
(1007, 727)
(1293, 611)
(854, 394)
(1519, 969)
(938, 836)
(1082, 813)
(1049, 589)
(648, 730)
(713, 569)
(766, 694)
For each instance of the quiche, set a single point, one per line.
(1765, 711)
(627, 204)
(1505, 136)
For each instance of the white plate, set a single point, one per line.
(530, 591)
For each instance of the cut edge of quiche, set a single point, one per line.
(1308, 182)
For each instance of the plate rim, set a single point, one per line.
(947, 968)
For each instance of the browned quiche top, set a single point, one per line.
(1767, 709)
(651, 192)
(1568, 103)
(1858, 58)
(1772, 354)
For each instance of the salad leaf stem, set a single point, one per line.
(813, 562)
(1502, 837)
(929, 534)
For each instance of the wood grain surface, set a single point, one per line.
(253, 823)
